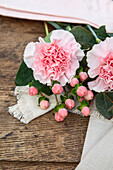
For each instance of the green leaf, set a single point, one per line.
(42, 98)
(63, 98)
(47, 38)
(71, 97)
(55, 82)
(83, 36)
(54, 24)
(84, 103)
(104, 104)
(74, 90)
(24, 75)
(41, 87)
(80, 69)
(77, 76)
(101, 33)
(110, 34)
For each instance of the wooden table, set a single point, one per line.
(43, 143)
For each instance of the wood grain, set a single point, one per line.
(36, 166)
(43, 139)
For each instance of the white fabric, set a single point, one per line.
(92, 12)
(27, 107)
(98, 147)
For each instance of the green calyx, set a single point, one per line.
(42, 98)
(84, 103)
(57, 107)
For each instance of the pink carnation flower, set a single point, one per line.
(100, 62)
(57, 60)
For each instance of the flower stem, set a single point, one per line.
(94, 34)
(41, 94)
(46, 28)
(56, 99)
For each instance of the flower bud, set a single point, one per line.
(69, 103)
(83, 76)
(33, 91)
(63, 112)
(89, 95)
(44, 104)
(58, 118)
(82, 91)
(74, 81)
(81, 99)
(57, 89)
(85, 111)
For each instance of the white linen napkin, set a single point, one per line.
(98, 147)
(27, 107)
(93, 12)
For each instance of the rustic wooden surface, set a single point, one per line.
(43, 143)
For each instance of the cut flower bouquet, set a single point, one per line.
(73, 62)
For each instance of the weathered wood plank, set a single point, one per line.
(43, 139)
(36, 166)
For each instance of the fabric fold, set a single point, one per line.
(94, 13)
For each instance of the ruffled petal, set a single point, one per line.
(65, 37)
(94, 72)
(63, 80)
(97, 85)
(28, 54)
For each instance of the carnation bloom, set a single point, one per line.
(57, 60)
(100, 62)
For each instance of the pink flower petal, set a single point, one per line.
(28, 54)
(97, 85)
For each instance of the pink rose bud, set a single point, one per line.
(85, 111)
(74, 81)
(63, 112)
(69, 103)
(83, 76)
(44, 104)
(82, 91)
(58, 118)
(33, 91)
(89, 95)
(81, 99)
(57, 89)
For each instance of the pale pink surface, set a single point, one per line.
(63, 112)
(58, 118)
(95, 13)
(33, 91)
(102, 66)
(69, 103)
(44, 104)
(57, 60)
(83, 76)
(85, 111)
(57, 89)
(89, 95)
(82, 91)
(74, 81)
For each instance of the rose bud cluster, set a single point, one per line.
(83, 76)
(69, 103)
(74, 81)
(43, 102)
(61, 114)
(33, 91)
(57, 89)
